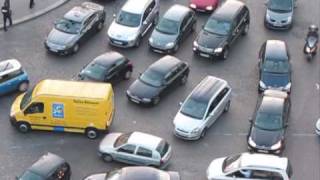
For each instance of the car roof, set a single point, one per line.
(208, 88)
(9, 66)
(165, 64)
(81, 12)
(46, 164)
(263, 160)
(228, 10)
(176, 12)
(108, 58)
(145, 140)
(136, 7)
(276, 49)
(139, 173)
(272, 104)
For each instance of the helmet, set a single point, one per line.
(313, 28)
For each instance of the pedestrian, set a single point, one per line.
(31, 4)
(5, 9)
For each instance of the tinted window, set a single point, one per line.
(152, 77)
(68, 26)
(144, 152)
(268, 121)
(168, 26)
(128, 19)
(217, 26)
(26, 99)
(163, 148)
(127, 149)
(123, 139)
(10, 76)
(95, 71)
(281, 6)
(276, 65)
(194, 108)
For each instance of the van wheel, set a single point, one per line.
(23, 86)
(92, 133)
(23, 127)
(107, 158)
(227, 107)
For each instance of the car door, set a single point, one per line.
(171, 79)
(126, 154)
(88, 27)
(36, 113)
(188, 25)
(10, 82)
(112, 73)
(145, 156)
(236, 29)
(148, 17)
(211, 115)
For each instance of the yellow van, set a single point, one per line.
(65, 106)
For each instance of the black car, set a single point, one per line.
(174, 27)
(267, 131)
(107, 67)
(75, 27)
(48, 167)
(274, 66)
(221, 30)
(159, 77)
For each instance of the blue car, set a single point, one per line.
(12, 77)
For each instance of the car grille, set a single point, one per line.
(204, 49)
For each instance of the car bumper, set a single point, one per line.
(186, 136)
(121, 43)
(58, 51)
(160, 49)
(273, 26)
(138, 100)
(266, 151)
(204, 54)
(202, 9)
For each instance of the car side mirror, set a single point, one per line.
(114, 15)
(180, 103)
(145, 23)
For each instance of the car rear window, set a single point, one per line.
(163, 148)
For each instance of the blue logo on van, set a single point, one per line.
(57, 110)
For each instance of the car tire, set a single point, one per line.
(92, 133)
(75, 48)
(138, 41)
(204, 132)
(246, 29)
(23, 86)
(127, 75)
(107, 157)
(23, 127)
(227, 107)
(225, 53)
(156, 100)
(156, 19)
(184, 79)
(100, 26)
(176, 48)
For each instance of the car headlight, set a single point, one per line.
(276, 146)
(170, 45)
(262, 85)
(251, 142)
(150, 40)
(128, 93)
(287, 87)
(308, 50)
(195, 44)
(218, 50)
(196, 131)
(193, 6)
(209, 8)
(289, 20)
(268, 17)
(146, 99)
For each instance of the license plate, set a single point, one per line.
(53, 50)
(204, 55)
(117, 42)
(263, 151)
(135, 101)
(158, 51)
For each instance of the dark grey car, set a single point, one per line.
(175, 26)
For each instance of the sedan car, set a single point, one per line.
(135, 173)
(48, 167)
(75, 27)
(204, 5)
(107, 67)
(250, 166)
(274, 66)
(12, 77)
(158, 79)
(174, 27)
(135, 148)
(268, 127)
(279, 14)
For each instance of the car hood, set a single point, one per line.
(214, 170)
(208, 40)
(186, 123)
(161, 39)
(108, 141)
(61, 38)
(266, 138)
(121, 32)
(279, 16)
(204, 3)
(142, 90)
(101, 176)
(275, 80)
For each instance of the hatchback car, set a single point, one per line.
(135, 148)
(224, 26)
(204, 5)
(48, 167)
(12, 77)
(202, 108)
(274, 66)
(174, 27)
(135, 173)
(107, 67)
(250, 166)
(268, 127)
(279, 14)
(75, 27)
(157, 80)
(132, 22)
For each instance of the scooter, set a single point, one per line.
(310, 48)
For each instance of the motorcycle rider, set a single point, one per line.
(312, 32)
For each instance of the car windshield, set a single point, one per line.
(168, 26)
(5, 66)
(281, 6)
(95, 71)
(68, 26)
(217, 26)
(26, 99)
(152, 78)
(122, 139)
(231, 163)
(194, 108)
(30, 175)
(268, 121)
(113, 175)
(276, 66)
(128, 19)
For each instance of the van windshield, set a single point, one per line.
(26, 99)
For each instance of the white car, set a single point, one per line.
(318, 127)
(250, 166)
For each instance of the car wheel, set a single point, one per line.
(225, 53)
(107, 158)
(100, 26)
(23, 127)
(203, 133)
(23, 86)
(92, 133)
(184, 79)
(227, 107)
(156, 100)
(75, 48)
(246, 29)
(138, 41)
(127, 74)
(176, 47)
(156, 19)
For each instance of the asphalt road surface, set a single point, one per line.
(228, 135)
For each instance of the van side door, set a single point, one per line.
(36, 113)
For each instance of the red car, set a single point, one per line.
(204, 5)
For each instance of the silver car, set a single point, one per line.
(202, 108)
(132, 22)
(135, 148)
(279, 14)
